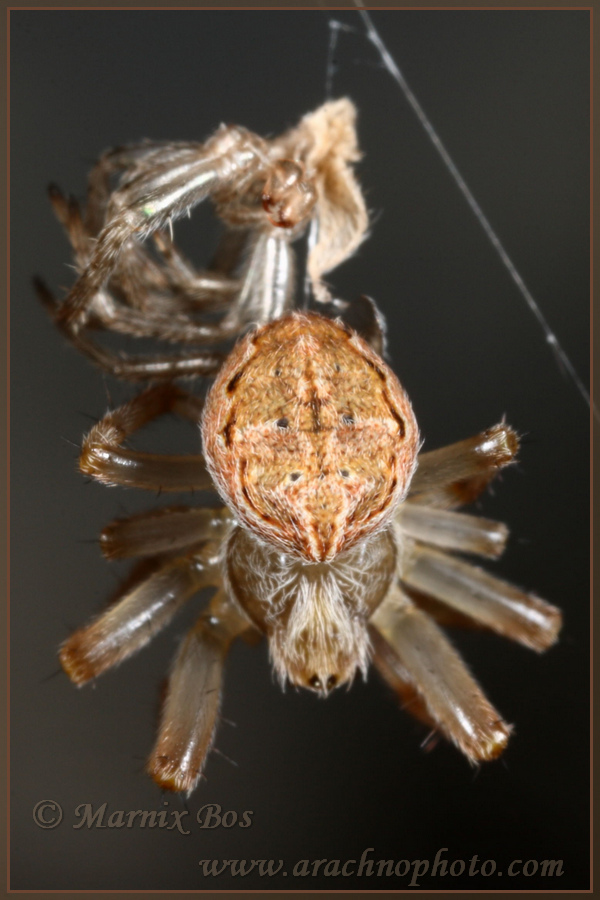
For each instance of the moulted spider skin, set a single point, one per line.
(265, 192)
(339, 540)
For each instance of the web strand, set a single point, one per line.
(563, 361)
(335, 27)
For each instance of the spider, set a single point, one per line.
(337, 538)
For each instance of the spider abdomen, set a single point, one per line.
(309, 436)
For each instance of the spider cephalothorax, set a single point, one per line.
(339, 541)
(315, 615)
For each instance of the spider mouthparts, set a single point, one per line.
(288, 197)
(322, 684)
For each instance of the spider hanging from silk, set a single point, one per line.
(339, 540)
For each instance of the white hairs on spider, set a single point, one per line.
(321, 625)
(316, 614)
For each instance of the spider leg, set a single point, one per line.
(161, 184)
(151, 309)
(267, 281)
(451, 530)
(365, 318)
(192, 290)
(133, 621)
(138, 280)
(164, 291)
(445, 616)
(68, 213)
(139, 277)
(150, 368)
(163, 531)
(387, 664)
(135, 266)
(488, 600)
(412, 650)
(134, 368)
(104, 458)
(137, 273)
(191, 705)
(458, 473)
(164, 325)
(112, 162)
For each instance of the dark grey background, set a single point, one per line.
(509, 94)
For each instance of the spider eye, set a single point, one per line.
(317, 684)
(282, 423)
(348, 419)
(344, 473)
(295, 476)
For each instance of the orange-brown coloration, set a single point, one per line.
(74, 659)
(309, 436)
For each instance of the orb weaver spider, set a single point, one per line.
(339, 539)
